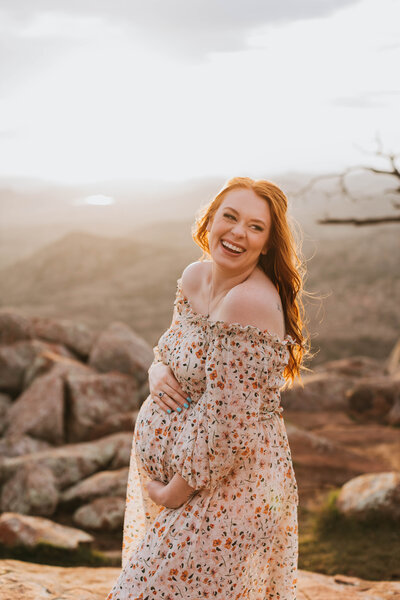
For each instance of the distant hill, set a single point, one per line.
(98, 279)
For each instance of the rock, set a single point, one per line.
(5, 403)
(46, 361)
(393, 416)
(17, 445)
(122, 453)
(377, 492)
(20, 580)
(354, 366)
(31, 490)
(73, 462)
(16, 359)
(14, 327)
(371, 399)
(118, 348)
(23, 530)
(39, 411)
(124, 421)
(93, 398)
(322, 391)
(75, 336)
(322, 463)
(104, 514)
(105, 483)
(393, 362)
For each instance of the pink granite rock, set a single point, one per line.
(118, 348)
(92, 398)
(31, 490)
(103, 514)
(28, 531)
(104, 483)
(378, 492)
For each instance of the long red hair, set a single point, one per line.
(281, 264)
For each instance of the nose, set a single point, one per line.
(237, 230)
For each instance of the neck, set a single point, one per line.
(222, 281)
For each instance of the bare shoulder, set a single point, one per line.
(193, 275)
(255, 302)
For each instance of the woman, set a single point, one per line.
(212, 496)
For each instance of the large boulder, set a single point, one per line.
(105, 483)
(353, 366)
(15, 359)
(118, 348)
(373, 399)
(92, 398)
(372, 492)
(39, 411)
(75, 336)
(103, 514)
(47, 361)
(321, 463)
(14, 327)
(5, 403)
(74, 462)
(32, 490)
(17, 445)
(123, 421)
(322, 391)
(28, 531)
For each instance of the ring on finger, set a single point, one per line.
(161, 394)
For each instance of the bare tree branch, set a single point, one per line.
(342, 181)
(358, 222)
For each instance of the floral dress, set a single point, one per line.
(237, 534)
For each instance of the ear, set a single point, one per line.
(265, 249)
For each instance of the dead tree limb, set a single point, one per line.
(341, 178)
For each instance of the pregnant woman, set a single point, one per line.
(212, 496)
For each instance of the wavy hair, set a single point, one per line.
(282, 263)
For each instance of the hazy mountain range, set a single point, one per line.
(120, 262)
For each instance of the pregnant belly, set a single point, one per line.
(154, 436)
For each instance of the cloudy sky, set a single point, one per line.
(94, 90)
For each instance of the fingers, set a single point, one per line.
(172, 400)
(163, 380)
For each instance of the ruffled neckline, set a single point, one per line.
(234, 327)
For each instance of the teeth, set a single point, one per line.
(231, 246)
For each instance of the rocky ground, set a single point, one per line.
(68, 402)
(20, 580)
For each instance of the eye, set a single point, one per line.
(228, 215)
(258, 227)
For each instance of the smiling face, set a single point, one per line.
(243, 220)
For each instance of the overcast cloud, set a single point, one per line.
(120, 88)
(195, 26)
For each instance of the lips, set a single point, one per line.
(233, 243)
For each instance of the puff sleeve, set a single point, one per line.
(222, 429)
(157, 357)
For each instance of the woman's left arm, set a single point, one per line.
(171, 495)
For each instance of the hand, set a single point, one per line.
(162, 379)
(158, 492)
(155, 490)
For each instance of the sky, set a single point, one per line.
(102, 90)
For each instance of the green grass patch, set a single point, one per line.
(51, 555)
(331, 543)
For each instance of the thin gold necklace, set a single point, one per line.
(209, 300)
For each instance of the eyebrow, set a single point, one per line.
(235, 211)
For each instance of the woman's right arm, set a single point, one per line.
(162, 379)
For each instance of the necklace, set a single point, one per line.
(209, 299)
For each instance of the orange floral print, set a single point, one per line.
(236, 538)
